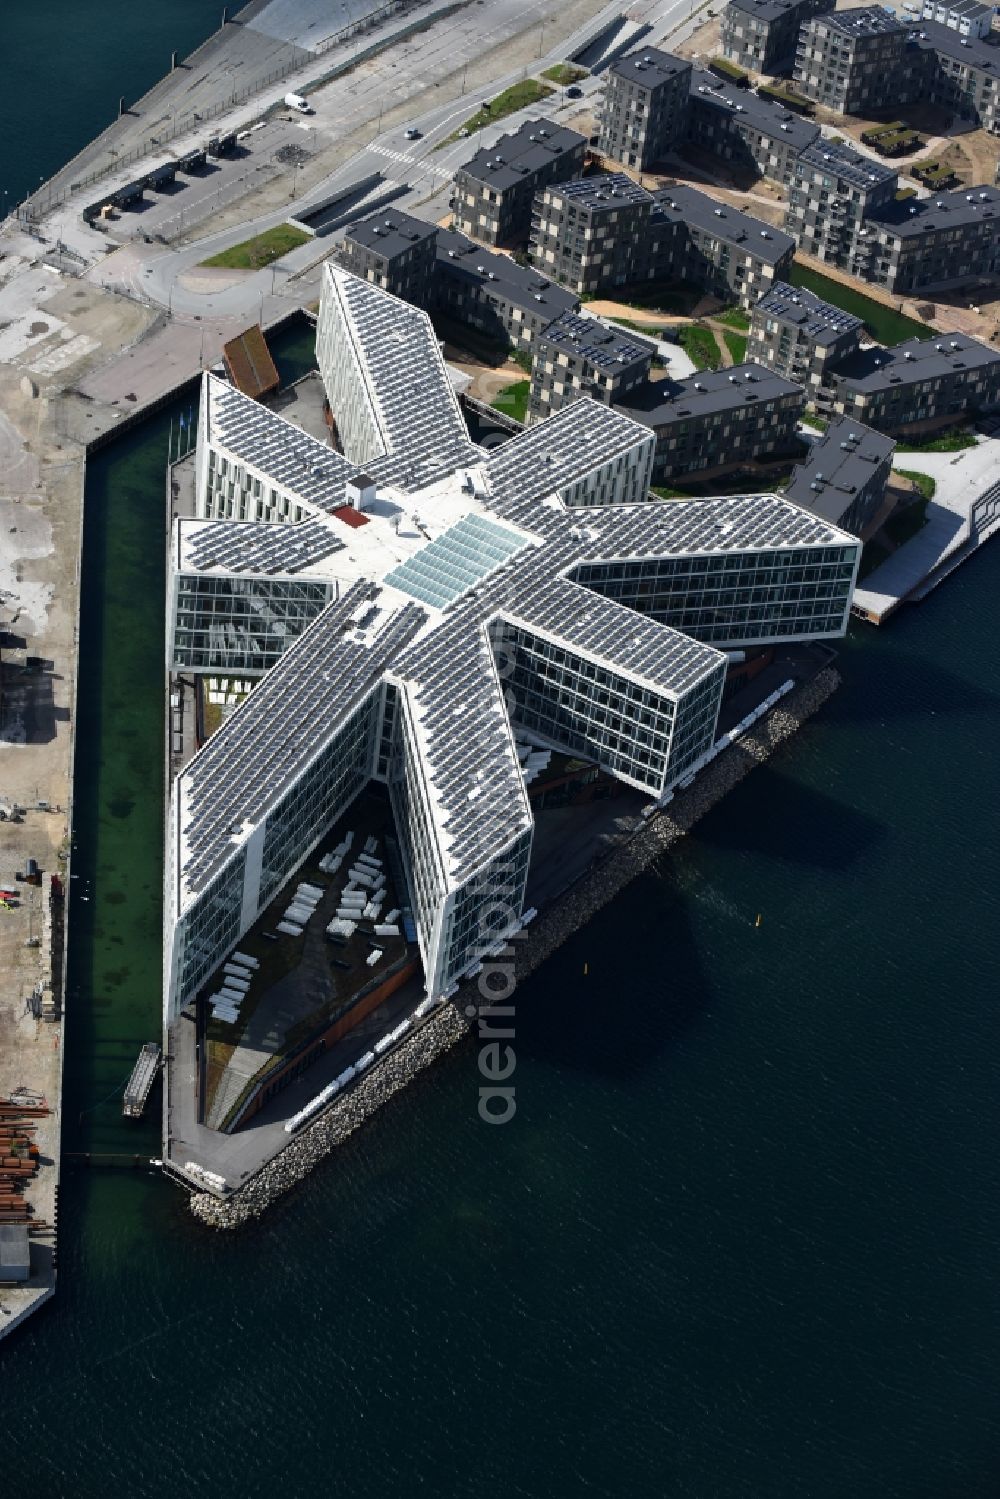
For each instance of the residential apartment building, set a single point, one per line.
(961, 73)
(507, 302)
(935, 242)
(583, 356)
(750, 134)
(596, 233)
(796, 334)
(921, 381)
(718, 419)
(846, 60)
(833, 192)
(844, 475)
(644, 107)
(729, 254)
(493, 192)
(966, 17)
(761, 35)
(394, 251)
(606, 231)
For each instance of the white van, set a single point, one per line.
(296, 101)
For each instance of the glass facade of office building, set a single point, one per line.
(694, 722)
(736, 598)
(210, 929)
(233, 492)
(588, 709)
(320, 795)
(240, 624)
(424, 871)
(485, 908)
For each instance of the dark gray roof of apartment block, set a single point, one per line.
(390, 232)
(916, 360)
(866, 20)
(841, 161)
(974, 52)
(648, 66)
(687, 205)
(529, 149)
(918, 216)
(601, 193)
(707, 392)
(523, 286)
(600, 343)
(767, 10)
(838, 465)
(773, 119)
(823, 322)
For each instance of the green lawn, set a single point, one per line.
(698, 343)
(519, 96)
(666, 493)
(736, 343)
(564, 73)
(924, 483)
(734, 317)
(514, 400)
(946, 442)
(677, 297)
(262, 250)
(643, 328)
(883, 324)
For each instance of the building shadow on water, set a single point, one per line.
(781, 818)
(640, 949)
(896, 683)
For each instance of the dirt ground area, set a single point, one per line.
(40, 510)
(706, 42)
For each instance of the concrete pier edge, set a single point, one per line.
(570, 912)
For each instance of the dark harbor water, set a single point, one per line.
(742, 1239)
(68, 62)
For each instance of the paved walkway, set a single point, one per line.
(960, 478)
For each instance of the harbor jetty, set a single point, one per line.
(453, 1021)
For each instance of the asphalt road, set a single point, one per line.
(208, 306)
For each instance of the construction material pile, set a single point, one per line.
(19, 1158)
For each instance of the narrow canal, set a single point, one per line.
(114, 978)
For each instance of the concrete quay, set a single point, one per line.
(455, 1020)
(964, 513)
